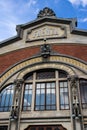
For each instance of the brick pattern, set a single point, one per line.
(78, 51)
(11, 58)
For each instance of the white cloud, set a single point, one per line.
(83, 20)
(31, 2)
(12, 14)
(78, 2)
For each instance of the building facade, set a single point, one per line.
(43, 83)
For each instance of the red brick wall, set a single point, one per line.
(79, 51)
(9, 59)
(12, 58)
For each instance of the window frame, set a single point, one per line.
(9, 87)
(4, 126)
(85, 103)
(55, 79)
(27, 83)
(45, 105)
(64, 98)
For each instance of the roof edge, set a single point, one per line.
(19, 28)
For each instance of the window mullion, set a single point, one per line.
(33, 92)
(57, 90)
(45, 95)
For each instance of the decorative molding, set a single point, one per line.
(46, 31)
(76, 108)
(46, 12)
(38, 60)
(45, 50)
(47, 65)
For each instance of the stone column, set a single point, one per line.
(76, 114)
(15, 110)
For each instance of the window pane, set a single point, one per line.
(46, 74)
(27, 97)
(3, 128)
(6, 97)
(85, 127)
(40, 96)
(83, 91)
(64, 96)
(29, 76)
(62, 74)
(45, 96)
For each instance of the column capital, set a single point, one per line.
(18, 81)
(73, 77)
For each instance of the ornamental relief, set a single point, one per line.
(46, 32)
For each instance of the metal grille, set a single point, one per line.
(45, 74)
(62, 74)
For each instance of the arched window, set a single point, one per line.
(46, 82)
(83, 92)
(6, 96)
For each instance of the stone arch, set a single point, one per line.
(46, 127)
(55, 60)
(44, 66)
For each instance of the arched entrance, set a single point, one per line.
(46, 127)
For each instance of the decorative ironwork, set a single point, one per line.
(46, 12)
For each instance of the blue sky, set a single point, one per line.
(15, 12)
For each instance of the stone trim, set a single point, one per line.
(39, 60)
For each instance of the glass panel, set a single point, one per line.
(45, 96)
(64, 96)
(83, 91)
(48, 128)
(3, 127)
(48, 85)
(85, 127)
(42, 96)
(27, 97)
(65, 84)
(46, 74)
(61, 84)
(62, 74)
(53, 99)
(42, 85)
(33, 128)
(29, 76)
(6, 97)
(41, 128)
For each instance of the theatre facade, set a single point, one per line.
(43, 82)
